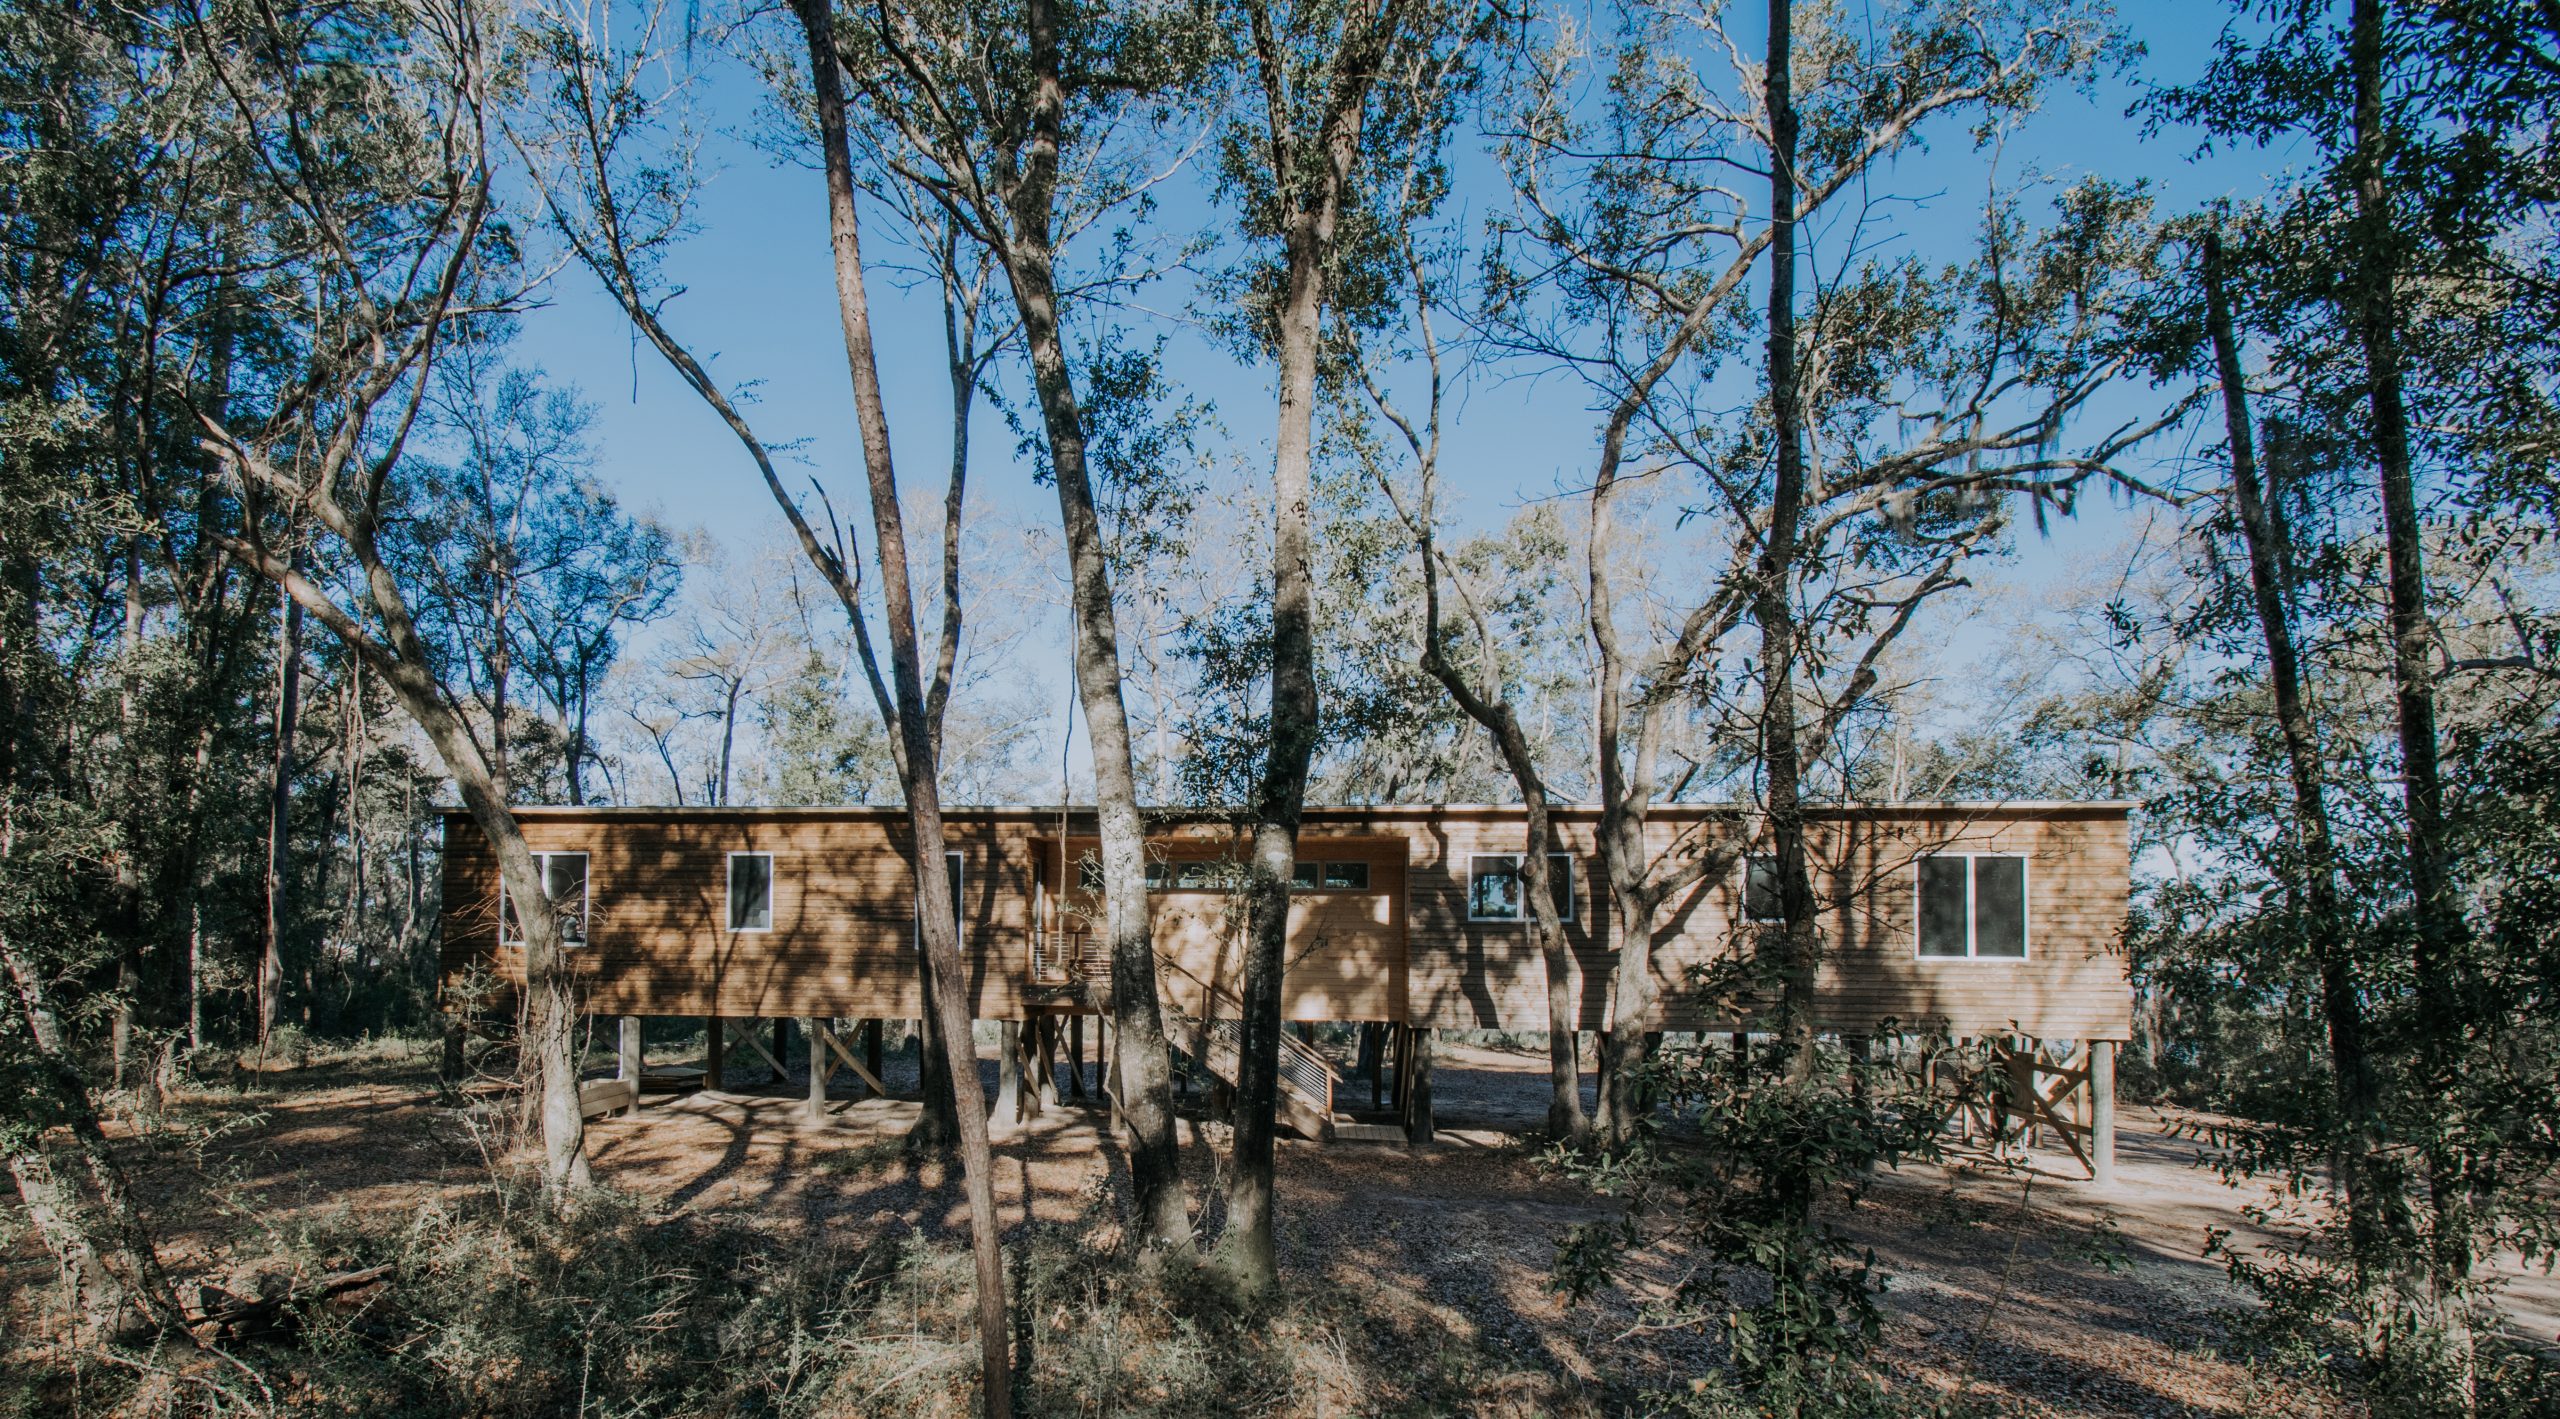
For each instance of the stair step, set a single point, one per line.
(1345, 1131)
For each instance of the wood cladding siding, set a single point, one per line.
(843, 942)
(1346, 951)
(1489, 975)
(843, 937)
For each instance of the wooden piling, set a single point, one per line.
(2102, 1112)
(1418, 1123)
(817, 1107)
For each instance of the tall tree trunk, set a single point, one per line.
(1248, 1251)
(128, 861)
(1798, 948)
(2364, 1171)
(1317, 177)
(1144, 1062)
(2372, 290)
(280, 819)
(1618, 1052)
(937, 1127)
(917, 766)
(400, 658)
(578, 734)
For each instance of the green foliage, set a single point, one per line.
(1747, 1178)
(825, 752)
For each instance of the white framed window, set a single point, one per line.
(956, 865)
(1762, 897)
(1496, 891)
(1972, 906)
(751, 891)
(564, 880)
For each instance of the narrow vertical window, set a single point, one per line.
(564, 880)
(2000, 907)
(751, 891)
(1944, 915)
(1761, 900)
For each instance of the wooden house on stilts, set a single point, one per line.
(1998, 921)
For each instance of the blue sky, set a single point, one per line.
(759, 306)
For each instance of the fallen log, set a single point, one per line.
(249, 1318)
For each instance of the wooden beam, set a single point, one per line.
(713, 1078)
(1075, 1057)
(757, 1045)
(865, 1075)
(598, 1097)
(2022, 1096)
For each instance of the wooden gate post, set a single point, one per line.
(2102, 1112)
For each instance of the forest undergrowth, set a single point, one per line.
(489, 1302)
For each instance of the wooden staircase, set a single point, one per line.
(1306, 1078)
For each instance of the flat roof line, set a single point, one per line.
(1382, 810)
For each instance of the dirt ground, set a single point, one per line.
(2035, 1293)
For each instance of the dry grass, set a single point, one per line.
(753, 1262)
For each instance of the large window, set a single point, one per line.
(959, 917)
(1496, 891)
(751, 891)
(564, 880)
(1973, 905)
